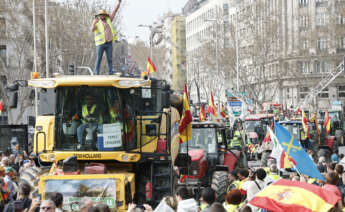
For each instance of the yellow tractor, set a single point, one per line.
(106, 138)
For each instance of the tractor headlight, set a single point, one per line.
(195, 172)
(125, 157)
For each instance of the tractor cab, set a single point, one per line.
(204, 161)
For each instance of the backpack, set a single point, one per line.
(17, 205)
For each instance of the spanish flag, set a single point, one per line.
(202, 115)
(327, 122)
(211, 107)
(149, 68)
(286, 195)
(222, 111)
(305, 124)
(185, 128)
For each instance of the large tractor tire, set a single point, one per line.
(32, 175)
(219, 184)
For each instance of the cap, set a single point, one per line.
(9, 169)
(2, 169)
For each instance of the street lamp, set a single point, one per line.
(152, 31)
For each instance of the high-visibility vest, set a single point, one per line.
(113, 115)
(85, 113)
(233, 185)
(230, 207)
(100, 34)
(274, 177)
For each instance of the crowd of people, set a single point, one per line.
(245, 183)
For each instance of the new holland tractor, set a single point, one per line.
(117, 155)
(205, 160)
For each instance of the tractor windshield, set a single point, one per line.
(251, 124)
(203, 138)
(93, 119)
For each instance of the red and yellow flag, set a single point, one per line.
(211, 107)
(149, 68)
(305, 124)
(286, 195)
(327, 122)
(185, 128)
(222, 111)
(1, 106)
(202, 115)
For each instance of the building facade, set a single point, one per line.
(303, 44)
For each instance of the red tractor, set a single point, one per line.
(208, 161)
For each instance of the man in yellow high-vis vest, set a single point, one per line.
(105, 34)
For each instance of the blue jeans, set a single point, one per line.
(108, 49)
(82, 127)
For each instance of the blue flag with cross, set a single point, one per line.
(293, 148)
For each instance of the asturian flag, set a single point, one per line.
(293, 148)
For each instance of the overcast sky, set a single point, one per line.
(146, 12)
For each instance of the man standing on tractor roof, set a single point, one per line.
(105, 34)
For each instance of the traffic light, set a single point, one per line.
(71, 69)
(12, 95)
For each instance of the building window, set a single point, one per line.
(340, 19)
(2, 27)
(321, 3)
(303, 92)
(303, 3)
(303, 21)
(322, 44)
(305, 67)
(321, 19)
(341, 91)
(324, 93)
(322, 67)
(3, 53)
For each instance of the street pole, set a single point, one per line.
(35, 49)
(151, 43)
(47, 38)
(237, 56)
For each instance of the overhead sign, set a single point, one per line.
(235, 108)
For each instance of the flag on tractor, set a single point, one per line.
(305, 124)
(211, 106)
(185, 127)
(222, 111)
(298, 110)
(286, 195)
(202, 115)
(293, 148)
(1, 106)
(283, 160)
(149, 68)
(327, 122)
(268, 137)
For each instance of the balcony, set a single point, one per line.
(340, 50)
(321, 3)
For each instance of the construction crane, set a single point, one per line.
(327, 80)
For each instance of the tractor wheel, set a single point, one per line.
(219, 184)
(31, 176)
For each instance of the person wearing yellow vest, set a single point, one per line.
(90, 117)
(105, 34)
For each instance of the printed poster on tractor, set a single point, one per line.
(74, 190)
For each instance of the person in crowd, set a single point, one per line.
(256, 185)
(242, 176)
(23, 201)
(321, 165)
(12, 162)
(5, 162)
(330, 167)
(132, 207)
(105, 35)
(47, 206)
(208, 197)
(246, 208)
(58, 200)
(233, 180)
(332, 179)
(4, 192)
(273, 175)
(217, 207)
(335, 157)
(103, 207)
(11, 186)
(184, 202)
(232, 200)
